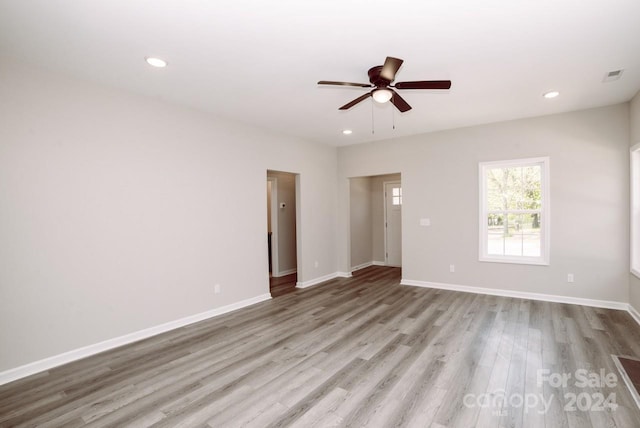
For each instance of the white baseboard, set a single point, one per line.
(634, 313)
(361, 266)
(520, 294)
(367, 264)
(285, 272)
(315, 281)
(309, 283)
(87, 351)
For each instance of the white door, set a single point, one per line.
(393, 223)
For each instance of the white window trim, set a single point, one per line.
(544, 259)
(634, 169)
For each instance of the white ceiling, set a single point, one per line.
(258, 61)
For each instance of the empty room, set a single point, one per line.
(319, 213)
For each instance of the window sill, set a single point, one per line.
(515, 261)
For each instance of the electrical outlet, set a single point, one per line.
(452, 268)
(570, 277)
(216, 289)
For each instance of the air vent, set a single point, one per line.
(613, 75)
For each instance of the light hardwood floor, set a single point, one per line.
(354, 352)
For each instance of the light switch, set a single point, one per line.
(425, 222)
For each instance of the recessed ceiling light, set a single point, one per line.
(551, 94)
(156, 62)
(347, 132)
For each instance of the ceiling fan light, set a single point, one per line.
(381, 95)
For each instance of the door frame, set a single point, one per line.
(275, 266)
(384, 199)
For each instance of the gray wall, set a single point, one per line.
(120, 212)
(634, 281)
(360, 218)
(589, 159)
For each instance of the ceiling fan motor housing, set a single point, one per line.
(375, 78)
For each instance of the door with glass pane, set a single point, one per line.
(393, 223)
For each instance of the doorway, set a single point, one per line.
(375, 229)
(282, 231)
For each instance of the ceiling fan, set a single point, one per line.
(381, 77)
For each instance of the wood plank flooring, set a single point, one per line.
(279, 286)
(354, 352)
(632, 369)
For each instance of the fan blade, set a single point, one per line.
(361, 85)
(390, 68)
(424, 84)
(356, 101)
(399, 102)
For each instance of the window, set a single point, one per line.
(635, 210)
(514, 211)
(396, 196)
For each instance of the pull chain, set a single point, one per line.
(393, 117)
(372, 127)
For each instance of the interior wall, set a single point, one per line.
(360, 218)
(121, 212)
(634, 114)
(589, 166)
(286, 194)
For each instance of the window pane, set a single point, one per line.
(496, 190)
(532, 188)
(395, 191)
(504, 188)
(495, 235)
(516, 188)
(514, 235)
(531, 238)
(531, 246)
(396, 200)
(523, 237)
